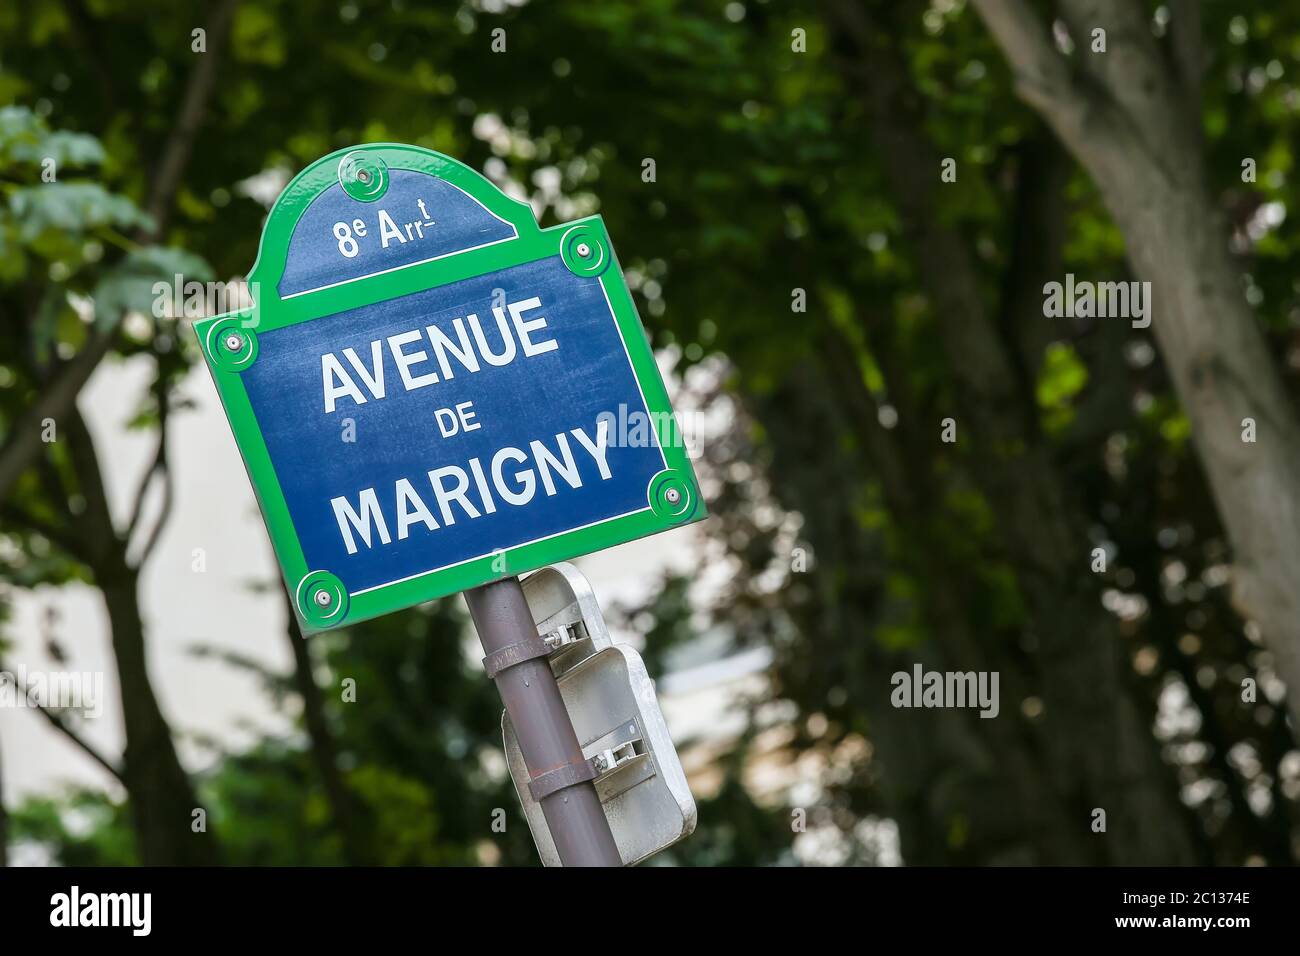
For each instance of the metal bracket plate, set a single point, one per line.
(611, 701)
(567, 614)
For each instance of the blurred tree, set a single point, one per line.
(1118, 768)
(53, 233)
(797, 251)
(1129, 107)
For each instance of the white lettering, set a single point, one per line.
(349, 519)
(405, 360)
(457, 493)
(408, 516)
(517, 309)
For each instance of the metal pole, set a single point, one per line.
(547, 740)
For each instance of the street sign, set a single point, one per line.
(432, 393)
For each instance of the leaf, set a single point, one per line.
(1063, 376)
(129, 286)
(77, 207)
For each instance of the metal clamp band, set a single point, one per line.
(513, 654)
(571, 774)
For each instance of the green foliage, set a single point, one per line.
(80, 828)
(1060, 379)
(131, 285)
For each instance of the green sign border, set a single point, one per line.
(229, 344)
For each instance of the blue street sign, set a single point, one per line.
(432, 393)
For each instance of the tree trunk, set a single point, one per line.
(1025, 817)
(944, 771)
(162, 801)
(1135, 128)
(1100, 744)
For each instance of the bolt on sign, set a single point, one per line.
(431, 392)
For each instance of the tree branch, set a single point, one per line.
(98, 518)
(55, 720)
(159, 464)
(86, 34)
(1037, 243)
(1132, 71)
(947, 270)
(24, 441)
(1090, 121)
(163, 514)
(143, 487)
(23, 518)
(194, 108)
(1043, 77)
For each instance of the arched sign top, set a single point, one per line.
(370, 210)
